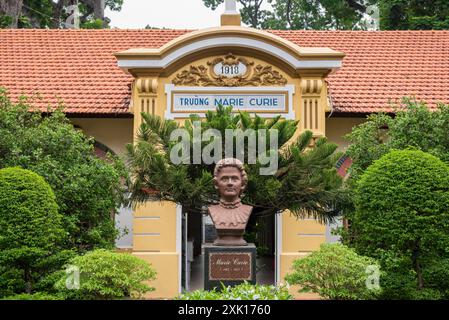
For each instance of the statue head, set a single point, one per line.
(230, 178)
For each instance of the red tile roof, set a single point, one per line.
(384, 66)
(77, 66)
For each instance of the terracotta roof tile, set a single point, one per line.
(382, 67)
(73, 66)
(78, 68)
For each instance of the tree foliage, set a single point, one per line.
(414, 125)
(402, 219)
(53, 14)
(301, 14)
(342, 14)
(305, 181)
(88, 190)
(414, 14)
(108, 275)
(30, 229)
(334, 272)
(318, 15)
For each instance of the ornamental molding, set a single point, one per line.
(146, 85)
(205, 76)
(312, 86)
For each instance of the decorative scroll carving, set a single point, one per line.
(203, 76)
(265, 75)
(230, 60)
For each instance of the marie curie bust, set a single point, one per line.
(230, 216)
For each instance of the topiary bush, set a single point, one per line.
(31, 231)
(335, 272)
(402, 219)
(106, 275)
(244, 291)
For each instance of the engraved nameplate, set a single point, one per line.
(230, 266)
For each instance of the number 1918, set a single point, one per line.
(232, 70)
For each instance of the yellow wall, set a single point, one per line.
(167, 279)
(113, 133)
(154, 240)
(299, 237)
(337, 128)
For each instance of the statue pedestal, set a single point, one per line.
(230, 265)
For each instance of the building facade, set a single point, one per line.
(329, 81)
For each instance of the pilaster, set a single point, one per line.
(313, 104)
(144, 99)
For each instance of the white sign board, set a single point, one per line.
(186, 102)
(265, 101)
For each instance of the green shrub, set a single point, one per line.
(402, 219)
(30, 229)
(414, 125)
(244, 291)
(5, 21)
(108, 275)
(88, 189)
(334, 272)
(34, 296)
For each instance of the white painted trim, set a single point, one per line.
(171, 88)
(278, 235)
(236, 41)
(186, 269)
(179, 244)
(124, 247)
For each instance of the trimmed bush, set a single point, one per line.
(402, 219)
(31, 230)
(335, 272)
(106, 275)
(244, 291)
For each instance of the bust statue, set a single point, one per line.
(230, 216)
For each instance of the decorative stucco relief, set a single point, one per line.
(205, 76)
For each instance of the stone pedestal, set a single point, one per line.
(229, 265)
